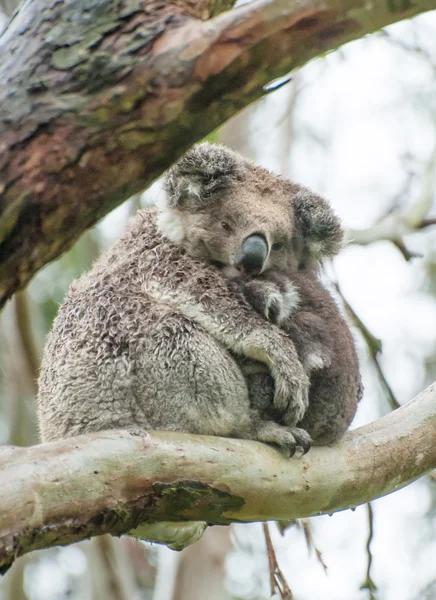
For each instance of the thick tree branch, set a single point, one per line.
(112, 481)
(102, 97)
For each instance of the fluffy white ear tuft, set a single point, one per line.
(170, 225)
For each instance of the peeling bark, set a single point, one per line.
(99, 98)
(110, 482)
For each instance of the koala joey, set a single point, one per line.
(156, 336)
(301, 306)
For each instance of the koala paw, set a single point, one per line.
(291, 392)
(287, 438)
(276, 303)
(275, 309)
(289, 300)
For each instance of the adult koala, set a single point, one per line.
(156, 336)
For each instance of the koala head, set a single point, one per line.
(228, 211)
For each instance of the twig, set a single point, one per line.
(271, 558)
(369, 584)
(426, 223)
(307, 530)
(407, 254)
(374, 348)
(277, 579)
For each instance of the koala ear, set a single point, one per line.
(204, 169)
(318, 226)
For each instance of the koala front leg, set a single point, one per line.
(303, 309)
(203, 295)
(266, 419)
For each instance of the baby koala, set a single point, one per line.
(297, 302)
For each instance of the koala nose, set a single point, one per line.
(252, 255)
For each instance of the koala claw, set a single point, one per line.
(302, 438)
(287, 438)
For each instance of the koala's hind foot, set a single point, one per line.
(288, 438)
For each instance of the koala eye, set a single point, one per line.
(278, 245)
(207, 193)
(225, 226)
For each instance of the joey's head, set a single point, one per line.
(228, 211)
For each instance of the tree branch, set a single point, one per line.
(101, 98)
(110, 482)
(395, 225)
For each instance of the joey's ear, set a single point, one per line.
(318, 226)
(205, 168)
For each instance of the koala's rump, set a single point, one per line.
(107, 365)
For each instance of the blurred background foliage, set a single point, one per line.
(358, 126)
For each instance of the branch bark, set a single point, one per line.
(102, 97)
(110, 482)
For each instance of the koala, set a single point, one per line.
(297, 301)
(156, 336)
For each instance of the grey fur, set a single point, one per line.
(324, 345)
(156, 336)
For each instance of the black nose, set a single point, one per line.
(253, 254)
